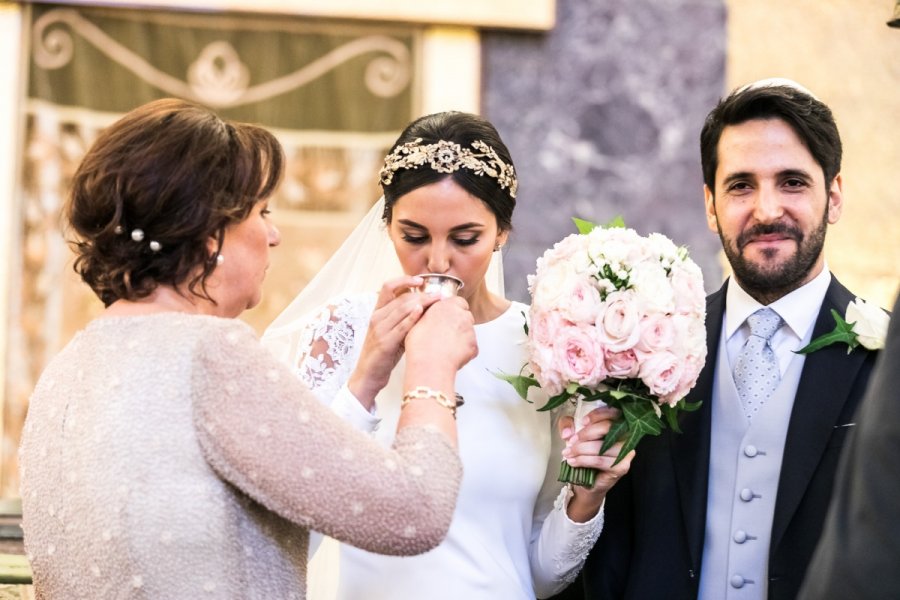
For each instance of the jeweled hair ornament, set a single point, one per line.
(447, 157)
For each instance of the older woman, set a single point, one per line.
(166, 453)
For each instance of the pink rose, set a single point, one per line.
(657, 333)
(622, 365)
(544, 325)
(691, 366)
(541, 362)
(687, 285)
(580, 303)
(618, 324)
(661, 372)
(579, 356)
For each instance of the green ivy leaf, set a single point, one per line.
(555, 401)
(842, 334)
(671, 414)
(584, 227)
(616, 431)
(617, 222)
(520, 383)
(642, 420)
(688, 406)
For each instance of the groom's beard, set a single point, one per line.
(775, 280)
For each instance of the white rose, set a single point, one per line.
(662, 248)
(614, 246)
(552, 283)
(870, 323)
(651, 284)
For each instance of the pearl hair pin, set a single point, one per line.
(138, 236)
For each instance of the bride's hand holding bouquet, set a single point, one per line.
(583, 451)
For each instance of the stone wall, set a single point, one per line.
(603, 116)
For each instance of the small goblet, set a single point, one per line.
(436, 283)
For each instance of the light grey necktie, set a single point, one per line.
(756, 372)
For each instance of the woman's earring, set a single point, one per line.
(219, 260)
(497, 247)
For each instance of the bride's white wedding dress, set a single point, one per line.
(510, 537)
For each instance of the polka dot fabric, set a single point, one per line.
(756, 373)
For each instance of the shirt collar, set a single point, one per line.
(794, 308)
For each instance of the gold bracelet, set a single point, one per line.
(422, 393)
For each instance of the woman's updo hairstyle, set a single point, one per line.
(153, 190)
(464, 129)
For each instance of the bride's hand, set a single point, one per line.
(583, 450)
(395, 314)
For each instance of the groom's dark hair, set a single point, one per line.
(809, 117)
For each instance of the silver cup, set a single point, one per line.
(435, 283)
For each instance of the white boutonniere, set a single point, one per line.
(864, 325)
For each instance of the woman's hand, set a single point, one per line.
(437, 346)
(395, 314)
(444, 335)
(583, 450)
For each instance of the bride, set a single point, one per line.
(449, 192)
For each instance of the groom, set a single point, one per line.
(733, 507)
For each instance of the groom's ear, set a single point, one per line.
(835, 200)
(709, 201)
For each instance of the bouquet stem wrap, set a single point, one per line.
(582, 476)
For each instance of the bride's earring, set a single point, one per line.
(220, 259)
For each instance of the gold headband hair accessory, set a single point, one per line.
(447, 157)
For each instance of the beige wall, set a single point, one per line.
(842, 51)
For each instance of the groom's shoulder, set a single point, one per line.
(718, 295)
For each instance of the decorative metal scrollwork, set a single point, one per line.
(217, 77)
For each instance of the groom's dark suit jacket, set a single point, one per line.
(652, 543)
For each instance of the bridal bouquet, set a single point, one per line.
(618, 318)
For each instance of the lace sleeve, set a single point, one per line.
(329, 343)
(559, 545)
